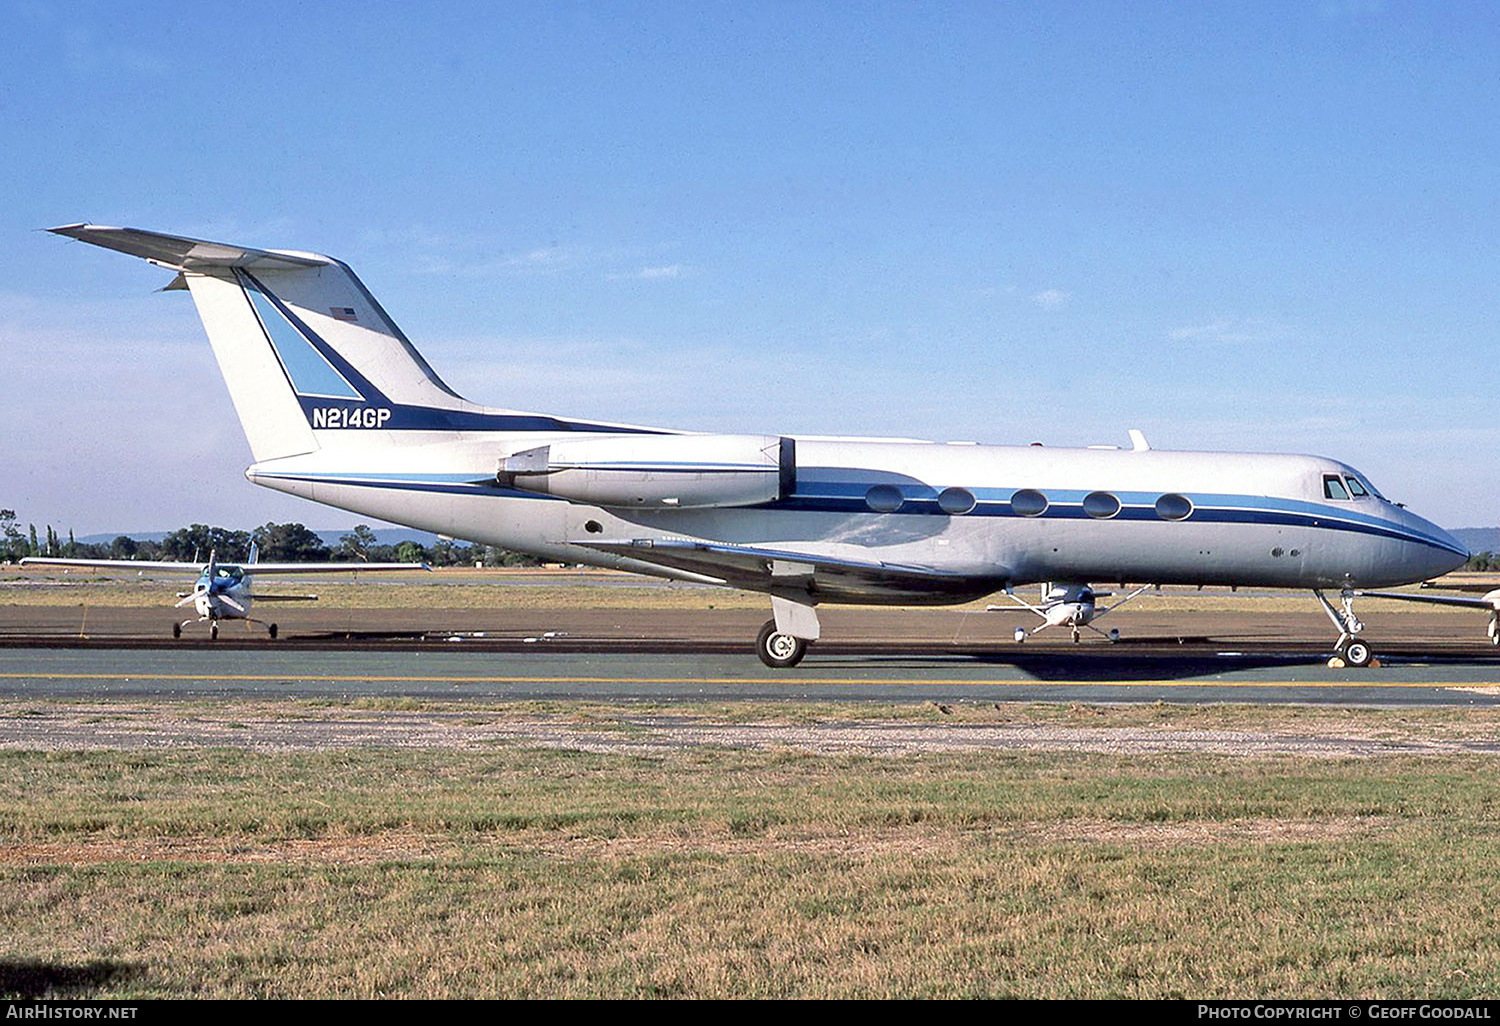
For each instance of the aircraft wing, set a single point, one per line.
(117, 564)
(259, 569)
(1489, 601)
(757, 569)
(1484, 587)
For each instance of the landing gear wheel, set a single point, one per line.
(1357, 653)
(779, 650)
(213, 632)
(273, 632)
(177, 630)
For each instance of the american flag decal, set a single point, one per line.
(343, 313)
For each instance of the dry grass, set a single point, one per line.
(453, 588)
(519, 872)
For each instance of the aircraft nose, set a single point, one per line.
(1443, 554)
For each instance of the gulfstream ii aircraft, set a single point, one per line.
(338, 407)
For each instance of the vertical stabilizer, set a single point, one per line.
(311, 360)
(302, 344)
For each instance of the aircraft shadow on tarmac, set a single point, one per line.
(1113, 665)
(1062, 667)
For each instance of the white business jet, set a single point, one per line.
(338, 407)
(224, 591)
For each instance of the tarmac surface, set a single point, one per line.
(656, 655)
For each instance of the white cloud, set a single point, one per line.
(1051, 299)
(649, 274)
(670, 271)
(1227, 331)
(473, 255)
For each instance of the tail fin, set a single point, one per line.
(300, 341)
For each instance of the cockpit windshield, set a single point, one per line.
(1360, 486)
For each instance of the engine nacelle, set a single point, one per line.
(658, 471)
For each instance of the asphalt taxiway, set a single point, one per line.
(555, 674)
(867, 655)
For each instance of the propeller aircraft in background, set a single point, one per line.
(224, 591)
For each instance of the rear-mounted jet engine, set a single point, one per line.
(658, 471)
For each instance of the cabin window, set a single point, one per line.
(1333, 487)
(1174, 507)
(1100, 505)
(1355, 488)
(1028, 502)
(884, 498)
(956, 501)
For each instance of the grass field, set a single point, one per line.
(724, 872)
(450, 588)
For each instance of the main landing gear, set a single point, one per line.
(783, 640)
(779, 650)
(1348, 650)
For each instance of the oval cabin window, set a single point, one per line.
(1100, 505)
(1028, 502)
(884, 498)
(956, 501)
(1174, 507)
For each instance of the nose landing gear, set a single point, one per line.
(1348, 650)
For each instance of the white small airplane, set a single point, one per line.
(224, 591)
(340, 408)
(1074, 606)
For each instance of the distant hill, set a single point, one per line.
(383, 536)
(1478, 539)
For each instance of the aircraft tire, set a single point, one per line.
(1357, 653)
(213, 632)
(273, 632)
(778, 650)
(177, 630)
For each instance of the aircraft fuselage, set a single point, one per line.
(989, 516)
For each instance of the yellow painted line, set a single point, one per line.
(866, 681)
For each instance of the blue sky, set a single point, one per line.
(1267, 226)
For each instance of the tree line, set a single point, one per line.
(279, 543)
(1483, 561)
